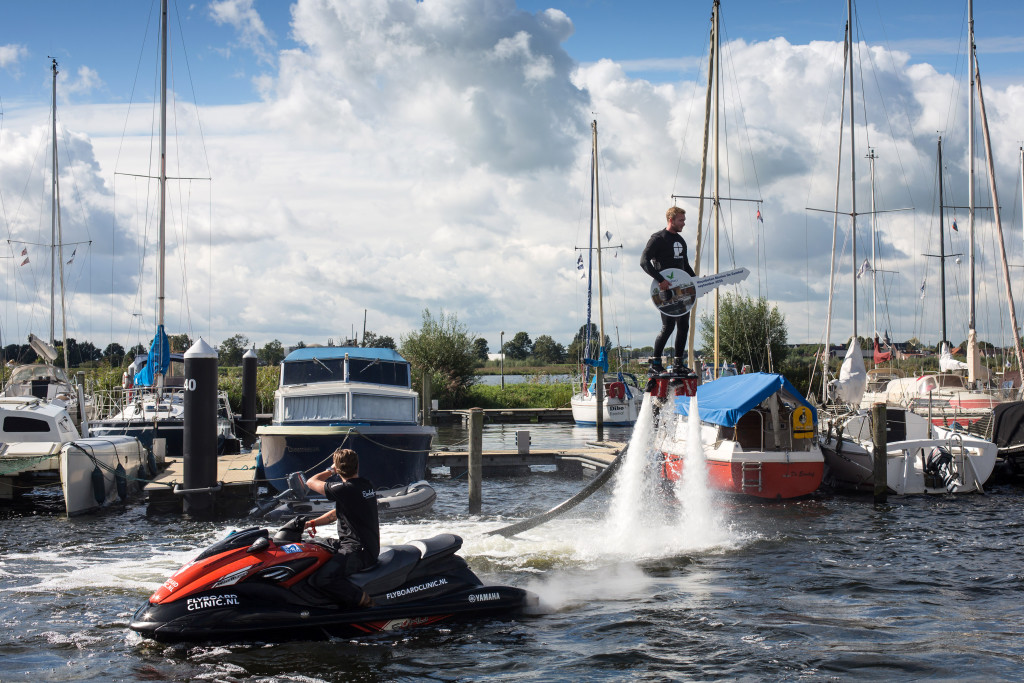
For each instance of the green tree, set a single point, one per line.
(180, 343)
(378, 341)
(548, 351)
(114, 353)
(231, 350)
(480, 348)
(272, 353)
(443, 348)
(519, 347)
(748, 331)
(576, 352)
(137, 350)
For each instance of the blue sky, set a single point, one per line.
(393, 156)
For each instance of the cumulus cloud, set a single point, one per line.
(11, 54)
(243, 17)
(436, 154)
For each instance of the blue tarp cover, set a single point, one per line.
(725, 400)
(159, 356)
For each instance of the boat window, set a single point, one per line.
(378, 372)
(316, 408)
(18, 423)
(312, 371)
(384, 408)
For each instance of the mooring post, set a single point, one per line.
(426, 399)
(476, 450)
(880, 452)
(199, 443)
(247, 422)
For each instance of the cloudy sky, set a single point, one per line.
(338, 157)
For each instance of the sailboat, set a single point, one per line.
(602, 399)
(916, 461)
(756, 429)
(152, 406)
(944, 397)
(40, 441)
(46, 380)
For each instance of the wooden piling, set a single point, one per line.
(880, 452)
(476, 449)
(427, 400)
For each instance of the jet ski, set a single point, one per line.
(254, 586)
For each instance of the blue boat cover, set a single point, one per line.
(331, 352)
(725, 400)
(159, 356)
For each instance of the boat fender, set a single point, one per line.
(617, 390)
(151, 462)
(803, 423)
(121, 481)
(141, 475)
(940, 463)
(99, 490)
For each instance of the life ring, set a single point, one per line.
(617, 390)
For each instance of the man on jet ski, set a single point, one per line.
(358, 544)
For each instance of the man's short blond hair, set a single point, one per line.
(671, 213)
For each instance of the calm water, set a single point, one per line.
(831, 587)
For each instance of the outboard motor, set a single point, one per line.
(939, 463)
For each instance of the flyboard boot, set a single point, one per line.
(678, 383)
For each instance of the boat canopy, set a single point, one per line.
(724, 401)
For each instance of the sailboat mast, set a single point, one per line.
(599, 384)
(942, 254)
(874, 243)
(163, 188)
(970, 171)
(717, 205)
(53, 199)
(699, 244)
(999, 225)
(853, 163)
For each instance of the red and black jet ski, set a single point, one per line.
(251, 586)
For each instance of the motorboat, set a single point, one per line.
(252, 585)
(351, 397)
(757, 433)
(40, 445)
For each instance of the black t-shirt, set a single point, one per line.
(356, 504)
(664, 250)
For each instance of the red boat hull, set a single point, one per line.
(768, 479)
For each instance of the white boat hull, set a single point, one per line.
(850, 462)
(616, 411)
(80, 458)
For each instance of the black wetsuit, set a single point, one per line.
(665, 250)
(358, 543)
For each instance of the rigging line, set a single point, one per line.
(737, 94)
(686, 125)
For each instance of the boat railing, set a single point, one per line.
(110, 402)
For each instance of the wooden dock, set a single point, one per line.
(504, 415)
(502, 463)
(235, 473)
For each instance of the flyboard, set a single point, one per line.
(684, 289)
